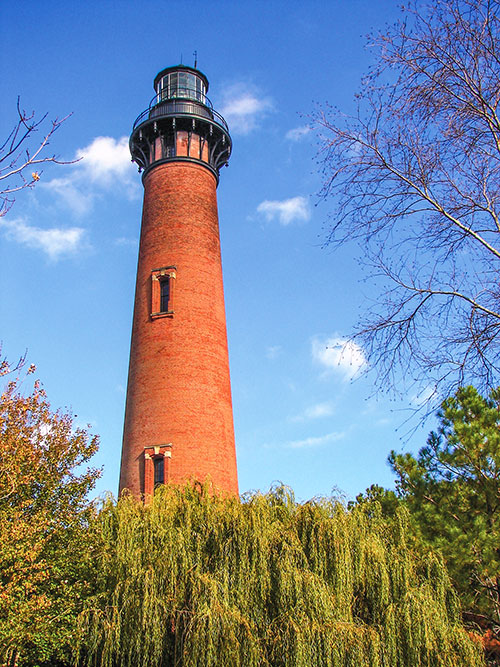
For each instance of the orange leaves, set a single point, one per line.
(43, 513)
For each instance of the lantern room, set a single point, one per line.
(181, 82)
(180, 124)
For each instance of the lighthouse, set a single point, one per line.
(178, 417)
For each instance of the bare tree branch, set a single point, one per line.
(6, 367)
(21, 152)
(415, 179)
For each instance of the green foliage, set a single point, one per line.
(376, 498)
(43, 517)
(453, 492)
(191, 579)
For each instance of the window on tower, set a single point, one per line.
(162, 292)
(168, 141)
(159, 471)
(156, 468)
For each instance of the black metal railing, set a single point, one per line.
(180, 106)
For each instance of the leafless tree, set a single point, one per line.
(22, 153)
(6, 367)
(415, 179)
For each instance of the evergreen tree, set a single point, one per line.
(452, 489)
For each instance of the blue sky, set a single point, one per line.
(68, 248)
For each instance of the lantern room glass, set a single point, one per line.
(182, 84)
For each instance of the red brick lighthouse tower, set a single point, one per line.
(178, 418)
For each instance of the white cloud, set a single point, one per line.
(243, 107)
(286, 211)
(340, 355)
(103, 165)
(298, 133)
(317, 441)
(106, 160)
(54, 242)
(316, 411)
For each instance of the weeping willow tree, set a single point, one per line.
(190, 579)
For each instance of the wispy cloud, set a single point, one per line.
(54, 242)
(317, 441)
(423, 396)
(102, 165)
(72, 192)
(126, 241)
(295, 209)
(243, 107)
(273, 351)
(316, 411)
(339, 355)
(298, 133)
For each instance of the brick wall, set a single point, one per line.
(179, 388)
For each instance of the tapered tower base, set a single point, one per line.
(179, 393)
